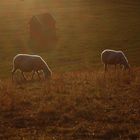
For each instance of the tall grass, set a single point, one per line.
(87, 104)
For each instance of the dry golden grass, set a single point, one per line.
(73, 105)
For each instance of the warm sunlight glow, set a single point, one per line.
(69, 69)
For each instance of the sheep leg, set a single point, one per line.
(38, 75)
(23, 75)
(115, 67)
(33, 75)
(105, 67)
(13, 71)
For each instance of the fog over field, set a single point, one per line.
(84, 29)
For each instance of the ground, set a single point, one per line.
(73, 105)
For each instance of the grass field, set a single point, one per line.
(80, 102)
(74, 105)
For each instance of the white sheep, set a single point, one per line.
(112, 57)
(30, 63)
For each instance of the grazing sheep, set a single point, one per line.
(29, 63)
(112, 57)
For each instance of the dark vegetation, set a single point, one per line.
(74, 105)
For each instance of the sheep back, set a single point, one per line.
(27, 63)
(112, 57)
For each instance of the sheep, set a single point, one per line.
(30, 63)
(112, 57)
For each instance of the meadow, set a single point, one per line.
(80, 102)
(73, 105)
